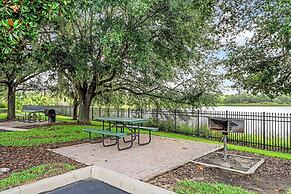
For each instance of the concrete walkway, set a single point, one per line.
(139, 162)
(89, 186)
(19, 124)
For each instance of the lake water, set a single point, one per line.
(272, 109)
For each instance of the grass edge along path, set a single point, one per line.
(268, 153)
(189, 187)
(34, 174)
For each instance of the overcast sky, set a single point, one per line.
(240, 40)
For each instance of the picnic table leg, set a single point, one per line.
(92, 142)
(29, 117)
(134, 137)
(150, 138)
(125, 148)
(112, 138)
(113, 144)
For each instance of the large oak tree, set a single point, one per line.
(155, 48)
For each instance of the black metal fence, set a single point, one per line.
(270, 131)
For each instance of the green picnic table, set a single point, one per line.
(116, 130)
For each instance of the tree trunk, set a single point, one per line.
(11, 102)
(75, 109)
(84, 110)
(86, 94)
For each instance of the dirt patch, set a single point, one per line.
(274, 176)
(234, 162)
(18, 159)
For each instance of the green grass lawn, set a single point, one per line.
(190, 187)
(44, 135)
(2, 116)
(33, 174)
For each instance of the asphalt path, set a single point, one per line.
(89, 186)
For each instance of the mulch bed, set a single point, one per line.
(274, 176)
(234, 162)
(22, 158)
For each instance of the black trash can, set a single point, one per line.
(51, 114)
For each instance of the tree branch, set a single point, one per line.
(108, 79)
(3, 82)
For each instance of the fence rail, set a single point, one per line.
(270, 131)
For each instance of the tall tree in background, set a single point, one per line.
(143, 47)
(262, 63)
(20, 24)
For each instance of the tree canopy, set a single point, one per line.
(261, 63)
(156, 48)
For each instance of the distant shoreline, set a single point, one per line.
(274, 105)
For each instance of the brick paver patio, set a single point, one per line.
(142, 163)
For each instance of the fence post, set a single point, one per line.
(141, 115)
(92, 112)
(198, 122)
(157, 115)
(175, 117)
(128, 112)
(264, 130)
(289, 135)
(108, 111)
(99, 111)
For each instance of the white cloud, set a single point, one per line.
(243, 37)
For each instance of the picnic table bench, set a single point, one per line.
(104, 133)
(133, 125)
(32, 113)
(149, 129)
